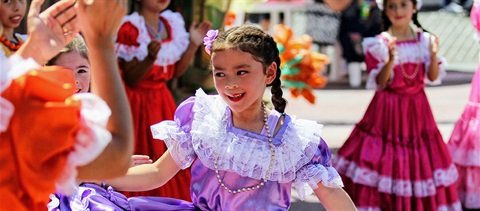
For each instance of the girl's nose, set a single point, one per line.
(231, 86)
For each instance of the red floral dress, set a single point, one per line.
(150, 100)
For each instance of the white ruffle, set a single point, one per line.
(171, 51)
(12, 68)
(178, 142)
(247, 156)
(409, 52)
(128, 52)
(310, 175)
(91, 139)
(405, 188)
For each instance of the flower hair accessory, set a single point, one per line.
(208, 39)
(380, 4)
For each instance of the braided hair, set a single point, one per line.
(386, 23)
(253, 40)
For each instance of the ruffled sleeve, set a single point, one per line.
(176, 134)
(319, 169)
(442, 62)
(132, 38)
(376, 55)
(173, 49)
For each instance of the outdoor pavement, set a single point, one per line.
(339, 107)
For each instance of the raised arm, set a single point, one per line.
(99, 22)
(147, 176)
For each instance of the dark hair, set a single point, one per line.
(386, 22)
(77, 45)
(253, 40)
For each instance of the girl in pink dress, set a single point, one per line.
(395, 157)
(154, 47)
(464, 144)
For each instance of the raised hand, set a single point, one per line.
(50, 30)
(197, 33)
(434, 43)
(392, 48)
(100, 18)
(153, 48)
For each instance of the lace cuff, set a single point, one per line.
(91, 138)
(178, 142)
(310, 175)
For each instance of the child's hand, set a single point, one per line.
(100, 19)
(140, 160)
(392, 48)
(433, 48)
(50, 30)
(198, 33)
(153, 48)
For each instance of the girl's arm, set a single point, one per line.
(99, 22)
(334, 198)
(134, 71)
(148, 176)
(434, 66)
(196, 38)
(385, 73)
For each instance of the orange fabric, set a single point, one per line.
(34, 148)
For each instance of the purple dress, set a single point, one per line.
(203, 125)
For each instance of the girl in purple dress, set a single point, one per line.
(243, 156)
(395, 157)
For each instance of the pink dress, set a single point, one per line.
(395, 157)
(464, 144)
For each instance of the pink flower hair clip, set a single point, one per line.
(208, 40)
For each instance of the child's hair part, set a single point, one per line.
(386, 23)
(253, 40)
(76, 45)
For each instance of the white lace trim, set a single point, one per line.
(128, 52)
(409, 52)
(451, 207)
(405, 188)
(310, 175)
(470, 200)
(91, 138)
(171, 51)
(178, 142)
(12, 68)
(248, 156)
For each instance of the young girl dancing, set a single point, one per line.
(154, 47)
(464, 143)
(395, 157)
(11, 15)
(243, 156)
(49, 136)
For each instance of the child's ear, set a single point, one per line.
(271, 72)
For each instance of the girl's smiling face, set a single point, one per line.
(400, 12)
(12, 12)
(74, 61)
(240, 79)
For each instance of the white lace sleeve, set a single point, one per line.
(376, 55)
(91, 139)
(176, 134)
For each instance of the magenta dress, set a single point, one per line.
(395, 157)
(203, 125)
(464, 143)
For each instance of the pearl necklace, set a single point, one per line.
(264, 180)
(417, 67)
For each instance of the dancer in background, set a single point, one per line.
(464, 143)
(153, 47)
(395, 157)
